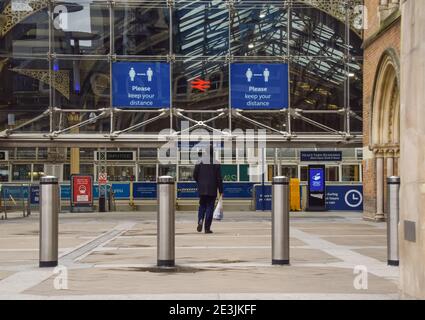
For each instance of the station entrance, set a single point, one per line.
(104, 97)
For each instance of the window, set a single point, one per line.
(26, 153)
(148, 154)
(200, 28)
(304, 173)
(4, 173)
(147, 173)
(42, 154)
(270, 172)
(87, 154)
(351, 173)
(243, 173)
(332, 174)
(28, 36)
(255, 173)
(66, 172)
(186, 173)
(141, 30)
(229, 172)
(37, 172)
(359, 154)
(85, 168)
(21, 172)
(252, 27)
(120, 173)
(168, 170)
(289, 153)
(290, 171)
(287, 171)
(81, 28)
(82, 35)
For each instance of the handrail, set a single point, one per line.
(16, 198)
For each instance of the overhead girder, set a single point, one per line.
(320, 4)
(10, 18)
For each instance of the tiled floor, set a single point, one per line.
(113, 255)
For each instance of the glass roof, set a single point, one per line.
(313, 38)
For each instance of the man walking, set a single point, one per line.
(207, 175)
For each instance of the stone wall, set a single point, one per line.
(380, 37)
(412, 161)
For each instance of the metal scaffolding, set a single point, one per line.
(318, 40)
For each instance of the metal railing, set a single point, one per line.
(15, 197)
(111, 200)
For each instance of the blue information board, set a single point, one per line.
(144, 190)
(187, 190)
(237, 190)
(121, 190)
(232, 190)
(35, 195)
(256, 86)
(344, 198)
(144, 85)
(317, 180)
(65, 191)
(16, 192)
(338, 197)
(321, 156)
(263, 201)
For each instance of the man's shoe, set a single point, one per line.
(199, 228)
(208, 231)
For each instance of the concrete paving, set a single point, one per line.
(113, 256)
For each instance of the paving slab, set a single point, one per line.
(218, 280)
(358, 241)
(113, 255)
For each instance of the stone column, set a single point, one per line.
(397, 166)
(379, 187)
(390, 164)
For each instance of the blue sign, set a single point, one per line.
(65, 192)
(344, 198)
(144, 190)
(121, 190)
(188, 190)
(144, 85)
(317, 179)
(237, 190)
(263, 201)
(16, 192)
(319, 156)
(35, 195)
(257, 86)
(232, 190)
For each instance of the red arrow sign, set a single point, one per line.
(201, 85)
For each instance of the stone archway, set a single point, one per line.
(385, 125)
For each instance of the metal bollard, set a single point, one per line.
(3, 195)
(280, 221)
(166, 222)
(393, 189)
(102, 203)
(29, 200)
(49, 221)
(24, 207)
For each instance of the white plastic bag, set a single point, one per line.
(218, 211)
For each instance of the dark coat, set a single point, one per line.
(209, 180)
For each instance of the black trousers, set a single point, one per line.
(206, 210)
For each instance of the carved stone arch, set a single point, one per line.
(385, 119)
